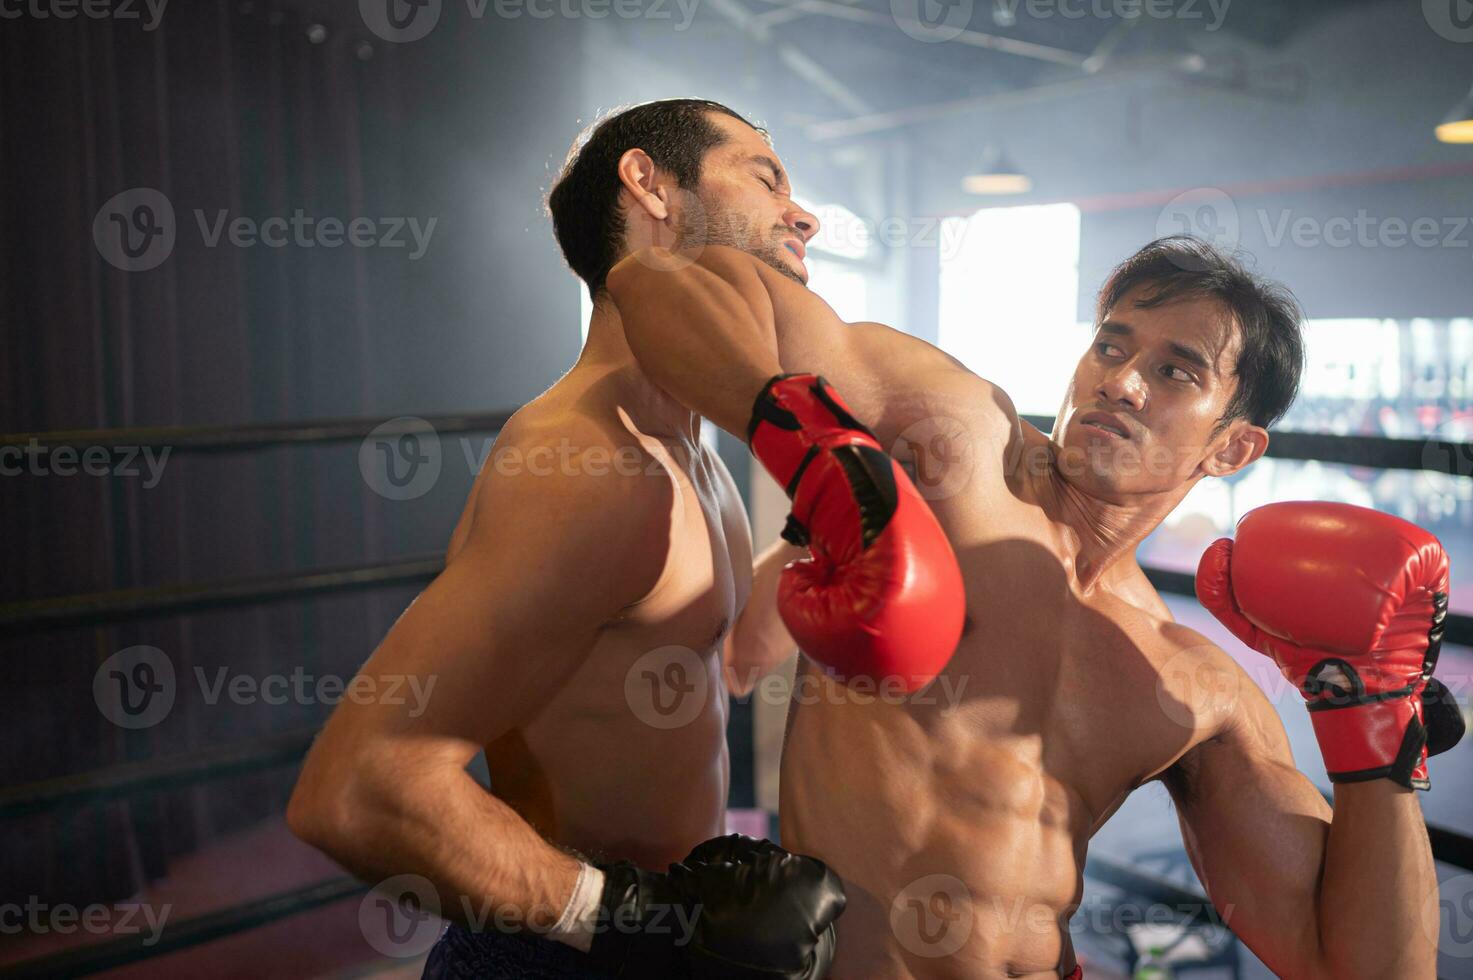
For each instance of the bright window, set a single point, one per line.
(841, 285)
(1009, 300)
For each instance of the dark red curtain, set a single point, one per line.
(236, 110)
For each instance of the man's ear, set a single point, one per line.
(1237, 446)
(637, 175)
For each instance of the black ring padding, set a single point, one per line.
(1377, 452)
(1457, 627)
(96, 608)
(113, 953)
(1451, 847)
(156, 775)
(246, 438)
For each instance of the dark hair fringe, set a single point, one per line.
(1271, 361)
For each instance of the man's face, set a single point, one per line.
(1141, 410)
(744, 201)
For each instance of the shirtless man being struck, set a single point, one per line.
(1076, 685)
(603, 549)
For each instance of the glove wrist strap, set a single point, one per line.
(790, 416)
(1380, 739)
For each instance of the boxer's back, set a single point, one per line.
(629, 759)
(958, 818)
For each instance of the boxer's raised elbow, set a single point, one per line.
(322, 807)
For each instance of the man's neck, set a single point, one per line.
(1102, 535)
(607, 351)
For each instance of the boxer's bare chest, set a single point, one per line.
(1084, 681)
(648, 706)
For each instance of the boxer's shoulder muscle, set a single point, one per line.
(1205, 692)
(580, 471)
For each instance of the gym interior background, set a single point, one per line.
(193, 418)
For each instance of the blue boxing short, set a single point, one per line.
(463, 954)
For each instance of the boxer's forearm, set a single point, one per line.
(1377, 881)
(486, 862)
(696, 334)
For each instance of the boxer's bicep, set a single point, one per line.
(1256, 830)
(915, 393)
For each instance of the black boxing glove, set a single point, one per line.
(738, 911)
(730, 849)
(766, 912)
(643, 921)
(1442, 716)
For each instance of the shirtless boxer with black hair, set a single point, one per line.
(1081, 687)
(601, 533)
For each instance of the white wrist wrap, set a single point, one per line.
(575, 927)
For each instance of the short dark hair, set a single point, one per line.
(584, 200)
(1271, 360)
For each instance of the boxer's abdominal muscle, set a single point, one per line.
(1047, 716)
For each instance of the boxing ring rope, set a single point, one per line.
(283, 749)
(245, 438)
(1377, 452)
(123, 605)
(38, 615)
(194, 931)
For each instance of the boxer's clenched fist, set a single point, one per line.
(734, 909)
(1349, 602)
(881, 595)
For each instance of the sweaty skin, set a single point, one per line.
(587, 769)
(577, 634)
(959, 821)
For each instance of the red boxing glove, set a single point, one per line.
(1350, 603)
(881, 596)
